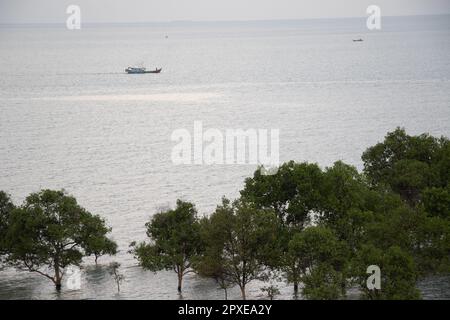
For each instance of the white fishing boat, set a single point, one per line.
(139, 70)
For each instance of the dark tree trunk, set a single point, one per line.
(58, 278)
(296, 288)
(243, 292)
(180, 281)
(295, 280)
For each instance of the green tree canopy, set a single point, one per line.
(240, 239)
(344, 199)
(6, 207)
(97, 243)
(398, 273)
(321, 261)
(174, 241)
(408, 164)
(293, 192)
(50, 232)
(436, 201)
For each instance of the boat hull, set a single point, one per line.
(142, 71)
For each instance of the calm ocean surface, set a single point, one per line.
(71, 118)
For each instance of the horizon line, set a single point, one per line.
(217, 21)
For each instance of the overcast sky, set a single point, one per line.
(54, 11)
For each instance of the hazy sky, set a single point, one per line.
(54, 11)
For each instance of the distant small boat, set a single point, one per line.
(139, 70)
(358, 40)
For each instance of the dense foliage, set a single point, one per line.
(175, 241)
(394, 215)
(50, 232)
(320, 229)
(239, 241)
